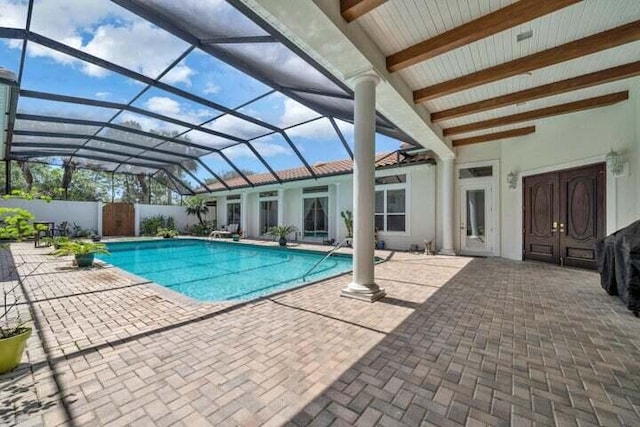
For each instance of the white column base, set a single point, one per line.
(369, 293)
(449, 252)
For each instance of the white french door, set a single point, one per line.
(476, 219)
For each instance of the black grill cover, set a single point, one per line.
(618, 261)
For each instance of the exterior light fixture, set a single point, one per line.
(512, 180)
(614, 164)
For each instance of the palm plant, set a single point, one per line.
(347, 216)
(83, 251)
(198, 207)
(281, 232)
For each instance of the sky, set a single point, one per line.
(110, 32)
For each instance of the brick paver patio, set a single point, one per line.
(456, 342)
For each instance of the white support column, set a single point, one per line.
(447, 207)
(280, 207)
(339, 220)
(99, 228)
(244, 213)
(136, 214)
(363, 286)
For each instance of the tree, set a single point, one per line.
(26, 173)
(68, 168)
(17, 178)
(198, 207)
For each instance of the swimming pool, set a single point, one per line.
(221, 271)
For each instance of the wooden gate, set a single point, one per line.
(118, 219)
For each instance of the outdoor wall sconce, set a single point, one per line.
(512, 180)
(614, 165)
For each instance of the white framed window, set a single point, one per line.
(315, 212)
(234, 210)
(267, 210)
(391, 213)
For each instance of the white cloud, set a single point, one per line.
(163, 105)
(13, 14)
(237, 127)
(172, 108)
(102, 29)
(103, 95)
(211, 88)
(181, 73)
(294, 113)
(265, 148)
(147, 123)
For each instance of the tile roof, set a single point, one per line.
(321, 169)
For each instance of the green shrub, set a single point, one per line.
(149, 226)
(17, 224)
(203, 229)
(166, 232)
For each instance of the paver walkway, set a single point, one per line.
(456, 342)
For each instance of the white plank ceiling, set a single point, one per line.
(399, 24)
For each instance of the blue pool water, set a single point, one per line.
(221, 271)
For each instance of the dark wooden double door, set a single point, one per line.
(564, 214)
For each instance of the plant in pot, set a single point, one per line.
(84, 252)
(281, 232)
(56, 241)
(13, 331)
(347, 216)
(167, 233)
(16, 224)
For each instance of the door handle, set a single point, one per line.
(462, 227)
(561, 227)
(554, 227)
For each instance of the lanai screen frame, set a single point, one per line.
(152, 160)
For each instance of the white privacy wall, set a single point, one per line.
(562, 142)
(85, 214)
(88, 215)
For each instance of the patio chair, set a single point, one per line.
(229, 231)
(62, 229)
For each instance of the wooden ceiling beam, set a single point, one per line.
(598, 42)
(581, 82)
(494, 136)
(585, 104)
(353, 9)
(502, 19)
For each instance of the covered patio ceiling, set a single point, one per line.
(185, 92)
(494, 69)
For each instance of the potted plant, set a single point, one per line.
(13, 333)
(56, 241)
(95, 237)
(347, 216)
(84, 252)
(167, 233)
(281, 232)
(15, 224)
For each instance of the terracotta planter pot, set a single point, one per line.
(11, 350)
(84, 260)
